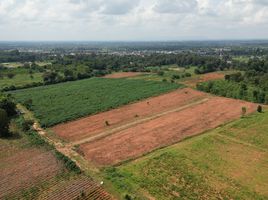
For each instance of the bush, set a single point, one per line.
(160, 73)
(8, 105)
(27, 124)
(244, 111)
(128, 197)
(69, 164)
(259, 108)
(4, 123)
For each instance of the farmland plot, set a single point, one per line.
(67, 101)
(230, 162)
(93, 125)
(164, 130)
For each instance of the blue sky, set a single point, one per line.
(131, 20)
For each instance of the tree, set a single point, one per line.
(8, 105)
(4, 123)
(50, 77)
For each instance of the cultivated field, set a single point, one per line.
(164, 130)
(123, 74)
(26, 168)
(229, 162)
(67, 101)
(130, 131)
(93, 126)
(28, 171)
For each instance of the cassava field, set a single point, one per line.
(67, 101)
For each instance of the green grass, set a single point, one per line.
(20, 80)
(67, 101)
(230, 162)
(169, 71)
(12, 64)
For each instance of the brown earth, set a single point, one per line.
(193, 81)
(93, 125)
(165, 130)
(123, 74)
(25, 168)
(73, 189)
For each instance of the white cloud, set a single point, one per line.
(132, 19)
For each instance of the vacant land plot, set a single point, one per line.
(193, 81)
(123, 74)
(163, 130)
(93, 125)
(67, 101)
(230, 162)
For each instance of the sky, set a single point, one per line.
(132, 20)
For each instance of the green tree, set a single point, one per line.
(4, 123)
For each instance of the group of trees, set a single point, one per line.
(7, 110)
(250, 85)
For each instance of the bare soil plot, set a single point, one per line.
(193, 81)
(93, 125)
(165, 130)
(123, 74)
(26, 168)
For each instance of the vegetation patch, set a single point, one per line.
(216, 165)
(67, 101)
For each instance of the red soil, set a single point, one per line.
(123, 74)
(168, 129)
(92, 125)
(25, 168)
(203, 78)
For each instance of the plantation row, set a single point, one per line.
(67, 101)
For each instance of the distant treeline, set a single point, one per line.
(251, 85)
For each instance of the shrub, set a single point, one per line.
(160, 73)
(107, 123)
(10, 75)
(244, 111)
(71, 165)
(4, 123)
(27, 124)
(175, 76)
(128, 197)
(259, 108)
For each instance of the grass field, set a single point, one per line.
(67, 101)
(12, 64)
(230, 162)
(20, 80)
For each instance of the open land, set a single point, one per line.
(225, 163)
(193, 81)
(142, 127)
